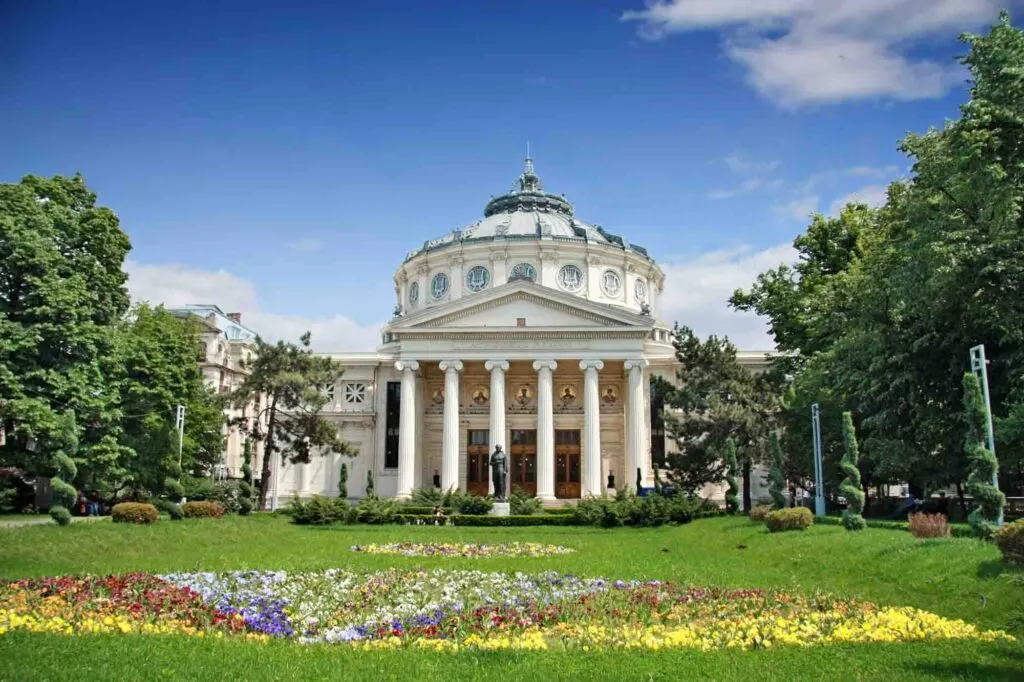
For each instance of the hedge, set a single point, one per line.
(421, 509)
(202, 510)
(478, 520)
(134, 512)
(958, 530)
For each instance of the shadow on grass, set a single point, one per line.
(992, 568)
(1011, 667)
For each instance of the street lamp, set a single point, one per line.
(819, 484)
(979, 365)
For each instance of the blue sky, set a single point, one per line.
(282, 159)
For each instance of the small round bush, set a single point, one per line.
(760, 513)
(174, 489)
(795, 518)
(60, 514)
(1010, 541)
(244, 506)
(134, 512)
(202, 510)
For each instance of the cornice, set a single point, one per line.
(515, 297)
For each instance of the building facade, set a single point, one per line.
(529, 329)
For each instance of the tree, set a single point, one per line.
(61, 293)
(776, 477)
(732, 503)
(369, 483)
(157, 352)
(713, 399)
(343, 481)
(290, 378)
(984, 465)
(850, 487)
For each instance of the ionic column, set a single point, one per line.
(450, 437)
(545, 430)
(407, 429)
(497, 368)
(591, 427)
(636, 429)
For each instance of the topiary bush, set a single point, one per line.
(169, 508)
(850, 487)
(776, 477)
(134, 512)
(982, 462)
(369, 483)
(732, 502)
(343, 481)
(174, 489)
(760, 513)
(206, 509)
(521, 504)
(1010, 541)
(794, 518)
(61, 515)
(244, 506)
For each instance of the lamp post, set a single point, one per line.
(819, 484)
(979, 365)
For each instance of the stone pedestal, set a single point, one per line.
(500, 509)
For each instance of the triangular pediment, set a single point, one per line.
(522, 304)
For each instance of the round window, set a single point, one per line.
(477, 278)
(414, 292)
(640, 291)
(523, 271)
(610, 283)
(439, 286)
(570, 278)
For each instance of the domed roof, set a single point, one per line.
(528, 212)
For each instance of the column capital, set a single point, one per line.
(450, 365)
(642, 363)
(591, 364)
(492, 365)
(411, 365)
(545, 364)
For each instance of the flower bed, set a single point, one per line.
(472, 551)
(452, 610)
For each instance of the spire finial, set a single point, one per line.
(529, 160)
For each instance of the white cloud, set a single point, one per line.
(305, 245)
(798, 209)
(810, 51)
(872, 195)
(743, 167)
(178, 285)
(697, 290)
(758, 171)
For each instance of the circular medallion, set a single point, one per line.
(611, 285)
(439, 286)
(477, 278)
(570, 278)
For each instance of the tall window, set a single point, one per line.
(392, 414)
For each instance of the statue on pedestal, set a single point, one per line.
(499, 472)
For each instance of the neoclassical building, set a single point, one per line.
(528, 328)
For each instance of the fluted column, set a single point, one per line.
(497, 368)
(407, 429)
(450, 437)
(636, 428)
(545, 430)
(591, 427)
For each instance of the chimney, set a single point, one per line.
(235, 317)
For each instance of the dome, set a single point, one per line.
(527, 212)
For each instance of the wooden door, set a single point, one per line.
(567, 464)
(523, 464)
(477, 471)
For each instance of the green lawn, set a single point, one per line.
(957, 578)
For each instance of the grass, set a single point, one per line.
(959, 578)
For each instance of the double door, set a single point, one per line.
(478, 454)
(523, 462)
(567, 464)
(523, 465)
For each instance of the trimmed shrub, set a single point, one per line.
(521, 504)
(206, 509)
(853, 518)
(60, 514)
(598, 511)
(64, 494)
(794, 518)
(319, 511)
(928, 526)
(981, 461)
(244, 506)
(369, 483)
(174, 489)
(134, 512)
(760, 513)
(535, 520)
(343, 481)
(1010, 541)
(374, 510)
(169, 508)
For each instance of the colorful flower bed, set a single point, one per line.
(444, 610)
(471, 551)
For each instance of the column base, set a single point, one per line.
(404, 496)
(546, 497)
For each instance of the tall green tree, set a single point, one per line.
(289, 380)
(157, 352)
(713, 399)
(853, 518)
(61, 296)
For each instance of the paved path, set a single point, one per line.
(38, 520)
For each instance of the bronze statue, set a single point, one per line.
(499, 472)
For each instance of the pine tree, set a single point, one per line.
(982, 462)
(850, 487)
(732, 501)
(776, 477)
(369, 484)
(343, 481)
